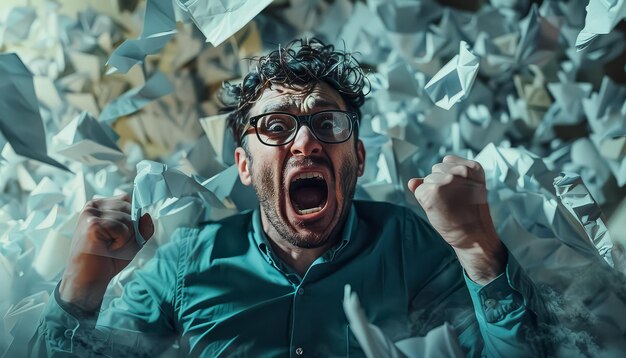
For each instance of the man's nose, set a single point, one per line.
(305, 142)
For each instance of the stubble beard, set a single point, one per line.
(269, 198)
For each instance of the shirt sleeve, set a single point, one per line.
(501, 319)
(507, 311)
(140, 322)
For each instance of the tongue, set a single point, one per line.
(308, 197)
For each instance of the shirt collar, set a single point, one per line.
(264, 246)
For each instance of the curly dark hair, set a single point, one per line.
(300, 62)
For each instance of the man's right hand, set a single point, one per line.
(103, 245)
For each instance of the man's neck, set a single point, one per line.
(298, 258)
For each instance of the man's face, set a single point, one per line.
(305, 187)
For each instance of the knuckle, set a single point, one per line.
(93, 223)
(91, 211)
(93, 203)
(463, 171)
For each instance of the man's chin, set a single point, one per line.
(308, 240)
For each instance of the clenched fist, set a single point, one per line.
(454, 197)
(103, 245)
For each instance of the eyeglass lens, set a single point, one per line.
(278, 128)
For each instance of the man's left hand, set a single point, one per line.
(454, 197)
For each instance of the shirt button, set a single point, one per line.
(490, 303)
(68, 333)
(299, 351)
(301, 291)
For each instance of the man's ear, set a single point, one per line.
(360, 157)
(242, 161)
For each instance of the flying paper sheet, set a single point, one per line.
(602, 17)
(20, 121)
(157, 86)
(159, 27)
(439, 342)
(84, 139)
(454, 81)
(219, 20)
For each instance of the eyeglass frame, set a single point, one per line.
(304, 118)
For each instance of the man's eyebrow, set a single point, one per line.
(284, 107)
(276, 107)
(325, 103)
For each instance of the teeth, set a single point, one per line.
(308, 175)
(309, 211)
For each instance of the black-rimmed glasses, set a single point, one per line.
(279, 128)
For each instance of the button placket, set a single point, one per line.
(299, 334)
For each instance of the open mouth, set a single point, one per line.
(308, 193)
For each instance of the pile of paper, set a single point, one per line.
(102, 97)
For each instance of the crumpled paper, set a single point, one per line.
(579, 202)
(454, 81)
(220, 20)
(602, 17)
(537, 107)
(155, 182)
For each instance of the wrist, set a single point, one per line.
(87, 297)
(483, 263)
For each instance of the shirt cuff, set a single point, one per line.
(61, 321)
(504, 295)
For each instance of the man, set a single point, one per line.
(270, 282)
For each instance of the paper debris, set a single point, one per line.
(579, 202)
(155, 87)
(220, 20)
(602, 16)
(159, 27)
(454, 81)
(20, 121)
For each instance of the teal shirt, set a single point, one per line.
(219, 290)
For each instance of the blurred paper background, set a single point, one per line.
(89, 89)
